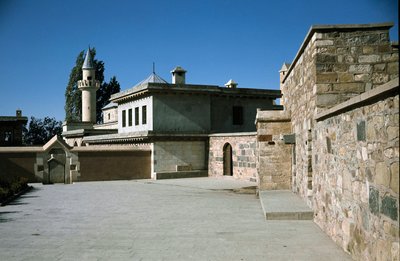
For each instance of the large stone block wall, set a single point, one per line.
(274, 159)
(170, 156)
(299, 99)
(333, 65)
(356, 189)
(244, 155)
(114, 165)
(351, 62)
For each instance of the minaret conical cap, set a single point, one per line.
(88, 63)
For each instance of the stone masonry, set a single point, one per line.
(341, 93)
(244, 154)
(274, 160)
(356, 191)
(334, 64)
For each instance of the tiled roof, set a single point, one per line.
(153, 78)
(110, 105)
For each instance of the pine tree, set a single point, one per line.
(73, 100)
(41, 131)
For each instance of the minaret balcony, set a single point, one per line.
(88, 84)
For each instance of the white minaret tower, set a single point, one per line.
(88, 86)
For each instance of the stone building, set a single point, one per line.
(171, 121)
(11, 128)
(334, 140)
(340, 126)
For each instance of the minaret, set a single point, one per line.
(88, 86)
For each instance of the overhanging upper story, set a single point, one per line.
(188, 108)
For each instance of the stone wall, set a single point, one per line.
(55, 162)
(334, 64)
(244, 155)
(113, 165)
(173, 156)
(356, 186)
(18, 164)
(274, 160)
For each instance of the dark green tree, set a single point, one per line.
(103, 95)
(41, 131)
(73, 101)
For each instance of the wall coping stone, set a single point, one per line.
(235, 134)
(329, 28)
(97, 148)
(272, 116)
(385, 90)
(24, 149)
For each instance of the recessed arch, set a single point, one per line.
(227, 160)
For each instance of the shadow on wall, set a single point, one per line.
(18, 165)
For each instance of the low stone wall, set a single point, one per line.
(356, 181)
(57, 163)
(18, 164)
(113, 165)
(244, 154)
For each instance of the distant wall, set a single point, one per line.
(114, 165)
(57, 164)
(181, 113)
(18, 164)
(222, 113)
(244, 155)
(356, 181)
(170, 156)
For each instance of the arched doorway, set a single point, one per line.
(56, 164)
(228, 166)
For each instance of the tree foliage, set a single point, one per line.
(73, 96)
(103, 95)
(73, 100)
(41, 131)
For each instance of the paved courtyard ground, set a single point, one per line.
(183, 219)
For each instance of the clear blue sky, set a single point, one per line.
(214, 40)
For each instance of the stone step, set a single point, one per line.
(181, 174)
(284, 205)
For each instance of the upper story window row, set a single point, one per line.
(128, 119)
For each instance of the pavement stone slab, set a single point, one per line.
(185, 219)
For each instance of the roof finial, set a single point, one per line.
(154, 68)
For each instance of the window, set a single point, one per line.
(137, 116)
(124, 118)
(109, 116)
(130, 117)
(7, 136)
(144, 114)
(237, 118)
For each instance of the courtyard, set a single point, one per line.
(181, 219)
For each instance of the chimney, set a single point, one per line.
(178, 75)
(18, 113)
(231, 84)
